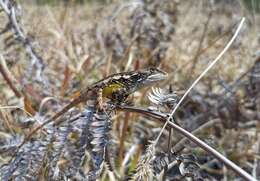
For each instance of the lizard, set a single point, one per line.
(116, 87)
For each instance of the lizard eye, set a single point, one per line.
(155, 70)
(152, 69)
(137, 78)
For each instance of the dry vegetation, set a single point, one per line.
(78, 45)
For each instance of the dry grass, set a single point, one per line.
(82, 44)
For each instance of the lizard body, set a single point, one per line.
(116, 87)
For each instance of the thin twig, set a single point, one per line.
(201, 75)
(196, 57)
(182, 67)
(7, 78)
(181, 144)
(216, 154)
(164, 118)
(123, 137)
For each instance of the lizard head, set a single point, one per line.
(146, 78)
(120, 86)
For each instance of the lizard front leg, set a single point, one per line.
(100, 99)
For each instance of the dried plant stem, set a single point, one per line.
(207, 48)
(123, 137)
(9, 7)
(196, 57)
(10, 11)
(208, 149)
(7, 77)
(164, 118)
(179, 146)
(201, 75)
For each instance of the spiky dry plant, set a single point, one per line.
(144, 170)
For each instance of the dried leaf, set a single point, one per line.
(65, 83)
(28, 105)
